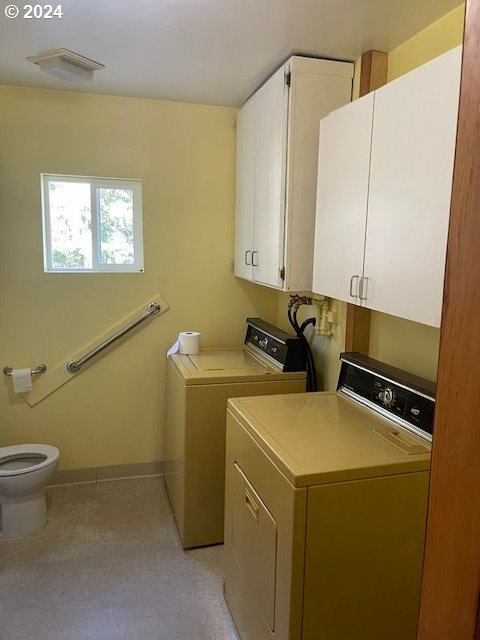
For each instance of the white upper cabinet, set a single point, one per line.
(342, 194)
(277, 151)
(411, 169)
(393, 195)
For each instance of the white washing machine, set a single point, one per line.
(325, 508)
(197, 389)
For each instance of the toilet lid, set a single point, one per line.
(25, 458)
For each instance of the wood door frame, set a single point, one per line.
(449, 607)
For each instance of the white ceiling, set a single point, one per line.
(205, 51)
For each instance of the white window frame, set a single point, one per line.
(132, 184)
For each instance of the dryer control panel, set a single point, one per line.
(397, 394)
(287, 352)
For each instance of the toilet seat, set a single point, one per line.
(48, 454)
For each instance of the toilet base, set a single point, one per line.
(22, 515)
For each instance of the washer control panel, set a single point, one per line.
(286, 351)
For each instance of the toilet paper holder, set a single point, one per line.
(36, 370)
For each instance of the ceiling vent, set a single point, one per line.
(66, 65)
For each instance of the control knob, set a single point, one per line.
(263, 343)
(387, 396)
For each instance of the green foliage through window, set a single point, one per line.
(116, 226)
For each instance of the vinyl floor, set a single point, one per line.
(109, 566)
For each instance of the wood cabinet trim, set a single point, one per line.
(373, 71)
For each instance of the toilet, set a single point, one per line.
(25, 470)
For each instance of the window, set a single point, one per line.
(92, 224)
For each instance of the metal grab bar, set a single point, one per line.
(36, 370)
(75, 365)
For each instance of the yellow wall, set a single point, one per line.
(404, 344)
(112, 413)
(442, 35)
(408, 345)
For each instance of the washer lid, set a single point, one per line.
(318, 438)
(227, 360)
(215, 366)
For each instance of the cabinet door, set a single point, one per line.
(270, 172)
(245, 189)
(342, 192)
(411, 171)
(313, 95)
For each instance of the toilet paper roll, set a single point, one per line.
(22, 380)
(188, 343)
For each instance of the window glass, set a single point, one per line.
(116, 226)
(92, 224)
(70, 225)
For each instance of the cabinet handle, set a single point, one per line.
(249, 264)
(353, 295)
(251, 504)
(254, 264)
(362, 291)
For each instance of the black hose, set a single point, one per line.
(303, 326)
(312, 384)
(308, 363)
(306, 322)
(289, 312)
(313, 373)
(293, 320)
